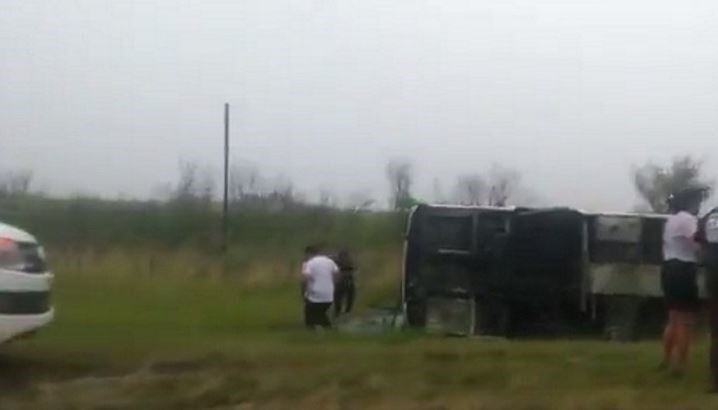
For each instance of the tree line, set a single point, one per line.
(196, 186)
(499, 188)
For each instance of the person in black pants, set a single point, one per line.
(345, 289)
(708, 237)
(315, 314)
(679, 276)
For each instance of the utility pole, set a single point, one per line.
(225, 204)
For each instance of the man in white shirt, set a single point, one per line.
(318, 274)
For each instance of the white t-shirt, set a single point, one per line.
(679, 237)
(319, 273)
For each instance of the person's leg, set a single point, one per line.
(322, 315)
(713, 361)
(683, 338)
(308, 314)
(669, 339)
(687, 289)
(338, 299)
(690, 329)
(351, 293)
(669, 329)
(318, 314)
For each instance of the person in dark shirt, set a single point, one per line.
(345, 289)
(708, 237)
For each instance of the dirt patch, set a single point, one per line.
(19, 373)
(210, 381)
(187, 365)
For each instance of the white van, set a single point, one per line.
(25, 283)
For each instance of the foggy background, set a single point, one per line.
(107, 97)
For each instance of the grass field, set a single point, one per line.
(139, 341)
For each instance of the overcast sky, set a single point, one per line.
(106, 96)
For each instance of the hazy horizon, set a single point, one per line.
(107, 97)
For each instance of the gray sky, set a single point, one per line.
(106, 96)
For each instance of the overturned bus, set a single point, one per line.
(485, 270)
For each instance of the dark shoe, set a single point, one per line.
(712, 390)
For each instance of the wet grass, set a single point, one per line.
(127, 341)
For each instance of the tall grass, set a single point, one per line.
(93, 237)
(98, 224)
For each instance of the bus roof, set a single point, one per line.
(514, 208)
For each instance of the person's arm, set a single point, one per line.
(686, 227)
(700, 236)
(305, 278)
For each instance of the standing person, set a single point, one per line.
(678, 276)
(318, 272)
(708, 235)
(345, 289)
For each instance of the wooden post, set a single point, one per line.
(225, 204)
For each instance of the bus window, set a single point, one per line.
(616, 239)
(652, 242)
(449, 234)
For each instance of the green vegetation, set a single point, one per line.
(177, 240)
(126, 342)
(97, 224)
(151, 316)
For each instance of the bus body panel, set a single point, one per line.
(541, 259)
